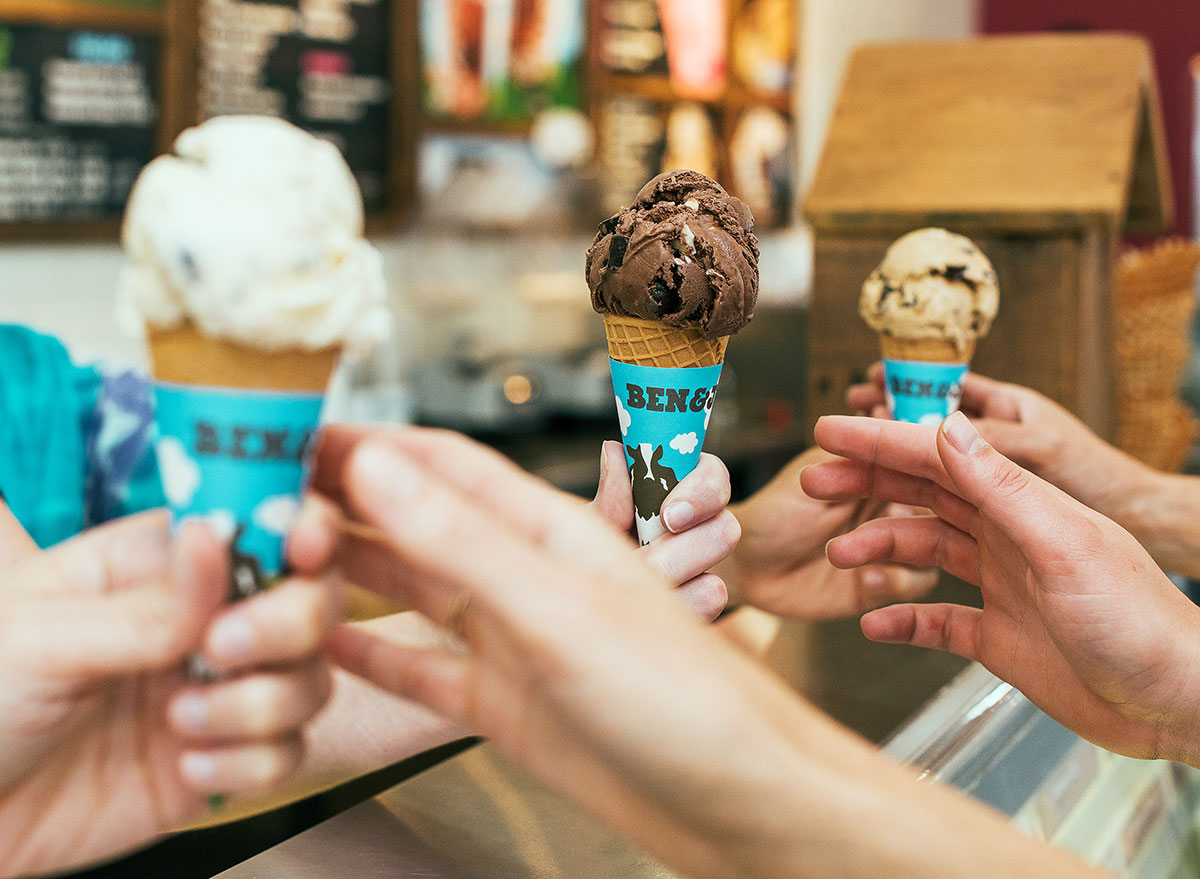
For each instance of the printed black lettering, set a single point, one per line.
(677, 399)
(274, 445)
(239, 443)
(634, 398)
(207, 442)
(699, 400)
(654, 399)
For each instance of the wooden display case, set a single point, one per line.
(1044, 149)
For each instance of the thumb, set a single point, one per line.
(1022, 505)
(145, 627)
(15, 542)
(614, 495)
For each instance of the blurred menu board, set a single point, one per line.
(324, 65)
(78, 119)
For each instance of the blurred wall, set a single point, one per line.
(1173, 29)
(832, 28)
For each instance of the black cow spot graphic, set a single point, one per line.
(652, 480)
(245, 573)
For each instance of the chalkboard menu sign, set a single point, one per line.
(78, 119)
(325, 66)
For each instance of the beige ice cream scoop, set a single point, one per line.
(933, 292)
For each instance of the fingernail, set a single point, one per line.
(679, 515)
(200, 769)
(190, 712)
(389, 471)
(603, 460)
(232, 639)
(962, 434)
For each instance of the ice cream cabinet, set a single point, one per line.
(1135, 817)
(1044, 149)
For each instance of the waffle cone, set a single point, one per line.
(652, 343)
(183, 355)
(926, 350)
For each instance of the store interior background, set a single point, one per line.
(486, 276)
(486, 282)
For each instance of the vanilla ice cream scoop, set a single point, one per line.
(932, 285)
(252, 230)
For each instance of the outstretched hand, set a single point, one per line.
(1075, 612)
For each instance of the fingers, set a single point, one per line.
(261, 706)
(841, 480)
(136, 629)
(457, 541)
(705, 595)
(1027, 509)
(919, 540)
(907, 448)
(680, 557)
(242, 770)
(948, 627)
(614, 494)
(285, 624)
(699, 496)
(880, 585)
(985, 396)
(436, 678)
(313, 540)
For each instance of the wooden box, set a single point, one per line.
(1044, 149)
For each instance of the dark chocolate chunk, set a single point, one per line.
(666, 301)
(188, 261)
(616, 251)
(609, 226)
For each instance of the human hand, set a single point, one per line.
(780, 564)
(700, 531)
(1075, 613)
(106, 743)
(1040, 435)
(573, 659)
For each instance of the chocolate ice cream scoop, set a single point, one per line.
(684, 253)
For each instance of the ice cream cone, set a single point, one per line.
(927, 350)
(184, 355)
(651, 343)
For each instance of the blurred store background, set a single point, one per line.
(490, 137)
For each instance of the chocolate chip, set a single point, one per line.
(666, 301)
(616, 251)
(608, 226)
(953, 273)
(188, 261)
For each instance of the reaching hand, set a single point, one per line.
(780, 564)
(106, 744)
(1075, 613)
(1032, 430)
(702, 531)
(571, 656)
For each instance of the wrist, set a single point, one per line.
(1161, 510)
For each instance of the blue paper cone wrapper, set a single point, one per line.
(239, 460)
(663, 414)
(922, 392)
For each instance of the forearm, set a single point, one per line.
(1163, 513)
(858, 814)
